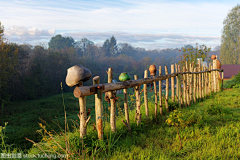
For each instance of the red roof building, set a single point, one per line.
(230, 70)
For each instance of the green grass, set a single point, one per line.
(212, 130)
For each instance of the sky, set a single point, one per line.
(150, 24)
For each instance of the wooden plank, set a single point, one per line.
(91, 90)
(214, 75)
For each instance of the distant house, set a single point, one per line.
(230, 70)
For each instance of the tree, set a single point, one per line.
(81, 46)
(190, 54)
(59, 42)
(8, 61)
(113, 46)
(230, 51)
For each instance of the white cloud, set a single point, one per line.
(23, 31)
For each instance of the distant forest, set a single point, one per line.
(38, 71)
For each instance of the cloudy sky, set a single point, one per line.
(144, 23)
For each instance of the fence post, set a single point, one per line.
(190, 82)
(194, 86)
(184, 87)
(127, 123)
(176, 71)
(138, 103)
(187, 86)
(98, 108)
(156, 99)
(222, 79)
(145, 94)
(206, 79)
(214, 75)
(202, 82)
(160, 91)
(167, 90)
(180, 85)
(113, 106)
(83, 115)
(172, 84)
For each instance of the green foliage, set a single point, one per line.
(8, 61)
(232, 83)
(190, 54)
(59, 42)
(230, 51)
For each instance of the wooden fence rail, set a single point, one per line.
(192, 84)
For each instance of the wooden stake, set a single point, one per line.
(98, 108)
(83, 115)
(180, 84)
(222, 79)
(138, 103)
(127, 123)
(145, 94)
(156, 99)
(194, 86)
(172, 84)
(176, 71)
(214, 75)
(184, 87)
(200, 83)
(113, 106)
(167, 90)
(187, 86)
(190, 84)
(160, 91)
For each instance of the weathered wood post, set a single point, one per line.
(172, 84)
(176, 70)
(98, 108)
(188, 84)
(145, 94)
(202, 82)
(113, 105)
(214, 75)
(184, 88)
(153, 70)
(76, 75)
(206, 82)
(160, 91)
(138, 114)
(194, 86)
(222, 79)
(180, 84)
(167, 90)
(127, 123)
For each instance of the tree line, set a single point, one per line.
(30, 72)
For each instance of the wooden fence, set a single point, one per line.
(192, 83)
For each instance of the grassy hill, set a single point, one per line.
(210, 129)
